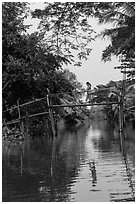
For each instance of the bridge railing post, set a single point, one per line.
(121, 115)
(21, 124)
(51, 114)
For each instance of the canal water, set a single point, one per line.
(85, 163)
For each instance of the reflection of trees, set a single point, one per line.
(103, 142)
(108, 133)
(15, 184)
(66, 162)
(130, 175)
(44, 166)
(130, 170)
(49, 167)
(129, 131)
(56, 175)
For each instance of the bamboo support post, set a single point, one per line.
(121, 115)
(121, 112)
(18, 109)
(27, 123)
(51, 115)
(21, 124)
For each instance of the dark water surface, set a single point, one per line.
(81, 164)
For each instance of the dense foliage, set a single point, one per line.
(65, 30)
(29, 68)
(67, 20)
(111, 92)
(121, 15)
(33, 62)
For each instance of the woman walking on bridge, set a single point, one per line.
(88, 89)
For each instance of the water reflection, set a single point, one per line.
(93, 172)
(81, 164)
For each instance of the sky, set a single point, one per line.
(93, 70)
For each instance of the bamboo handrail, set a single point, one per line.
(37, 114)
(11, 122)
(129, 108)
(57, 106)
(28, 116)
(10, 109)
(37, 100)
(83, 91)
(24, 104)
(77, 105)
(16, 107)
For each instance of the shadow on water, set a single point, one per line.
(75, 166)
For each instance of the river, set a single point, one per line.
(85, 163)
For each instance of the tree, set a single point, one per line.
(65, 29)
(127, 67)
(122, 17)
(111, 92)
(28, 66)
(66, 20)
(13, 41)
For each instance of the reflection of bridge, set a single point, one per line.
(49, 106)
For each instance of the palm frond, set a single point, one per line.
(111, 17)
(117, 13)
(127, 8)
(109, 32)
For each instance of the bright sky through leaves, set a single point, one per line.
(93, 70)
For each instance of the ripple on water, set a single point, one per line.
(81, 166)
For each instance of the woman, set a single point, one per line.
(88, 89)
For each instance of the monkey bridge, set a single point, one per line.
(49, 108)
